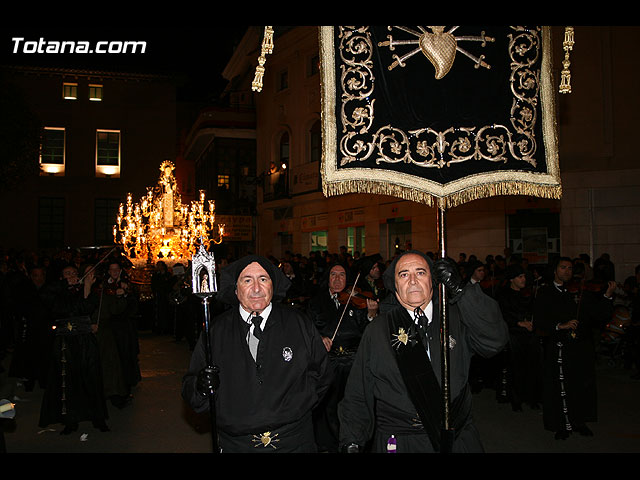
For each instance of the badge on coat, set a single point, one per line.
(452, 342)
(287, 354)
(403, 337)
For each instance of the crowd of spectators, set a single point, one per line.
(25, 273)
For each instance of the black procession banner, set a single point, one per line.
(444, 114)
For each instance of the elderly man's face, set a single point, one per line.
(337, 279)
(254, 288)
(413, 281)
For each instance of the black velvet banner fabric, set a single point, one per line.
(464, 112)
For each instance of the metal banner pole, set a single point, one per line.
(203, 278)
(447, 432)
(207, 350)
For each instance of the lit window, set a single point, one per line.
(70, 91)
(52, 152)
(223, 181)
(95, 93)
(108, 153)
(355, 239)
(318, 241)
(284, 151)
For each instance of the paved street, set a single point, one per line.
(157, 421)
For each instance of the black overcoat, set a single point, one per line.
(377, 401)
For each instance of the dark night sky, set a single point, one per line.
(199, 54)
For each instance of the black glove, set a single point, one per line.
(446, 272)
(207, 381)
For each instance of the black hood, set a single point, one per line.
(229, 277)
(365, 264)
(389, 274)
(324, 281)
(513, 271)
(472, 266)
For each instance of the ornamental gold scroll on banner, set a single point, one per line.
(440, 115)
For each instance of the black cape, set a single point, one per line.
(570, 391)
(74, 391)
(282, 386)
(389, 395)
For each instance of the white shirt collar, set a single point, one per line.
(246, 316)
(428, 311)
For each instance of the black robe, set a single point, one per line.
(280, 389)
(74, 390)
(326, 316)
(118, 342)
(570, 393)
(521, 360)
(380, 401)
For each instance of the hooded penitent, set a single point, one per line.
(229, 277)
(389, 276)
(365, 264)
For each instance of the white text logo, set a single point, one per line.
(20, 45)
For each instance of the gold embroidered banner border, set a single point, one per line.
(338, 181)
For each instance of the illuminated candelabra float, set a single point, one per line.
(160, 228)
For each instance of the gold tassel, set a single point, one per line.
(567, 45)
(267, 47)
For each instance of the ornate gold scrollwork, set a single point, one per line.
(425, 147)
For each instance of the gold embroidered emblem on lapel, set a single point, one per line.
(265, 439)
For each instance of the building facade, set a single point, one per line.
(103, 135)
(221, 147)
(597, 213)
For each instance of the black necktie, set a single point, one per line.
(257, 331)
(421, 318)
(423, 326)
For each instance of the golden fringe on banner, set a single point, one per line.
(451, 200)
